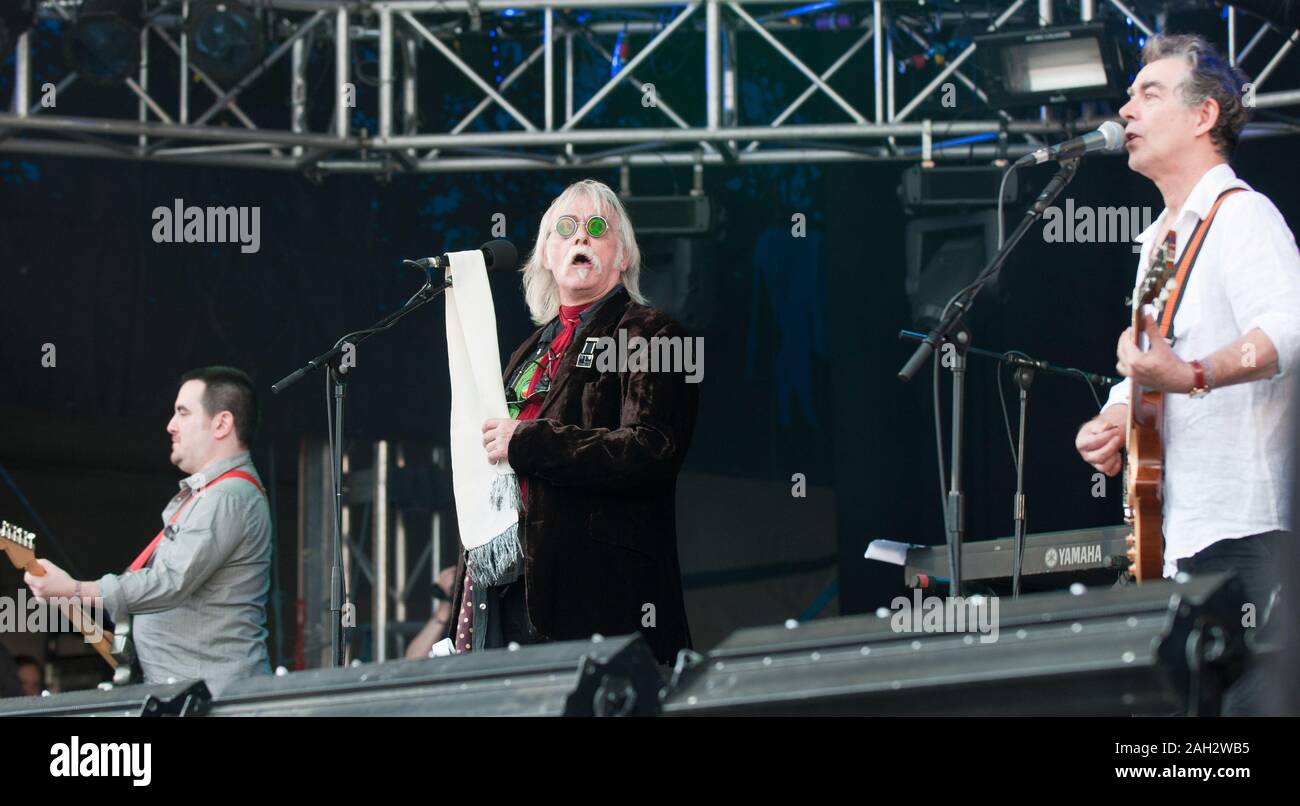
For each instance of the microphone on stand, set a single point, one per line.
(1108, 137)
(498, 255)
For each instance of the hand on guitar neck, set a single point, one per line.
(56, 582)
(49, 582)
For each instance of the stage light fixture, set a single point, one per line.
(1051, 65)
(103, 45)
(227, 39)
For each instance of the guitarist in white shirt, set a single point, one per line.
(1227, 376)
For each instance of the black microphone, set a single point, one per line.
(1109, 136)
(498, 255)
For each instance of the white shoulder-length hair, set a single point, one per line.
(540, 290)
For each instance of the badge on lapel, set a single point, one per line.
(588, 354)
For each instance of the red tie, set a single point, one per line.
(569, 319)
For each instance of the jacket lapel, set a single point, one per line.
(524, 350)
(610, 313)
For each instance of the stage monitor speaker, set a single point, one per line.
(1158, 648)
(188, 698)
(944, 254)
(597, 677)
(944, 186)
(678, 276)
(669, 215)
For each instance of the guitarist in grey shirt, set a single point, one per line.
(196, 597)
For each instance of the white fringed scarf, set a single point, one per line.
(487, 496)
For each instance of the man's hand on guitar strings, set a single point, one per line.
(1157, 367)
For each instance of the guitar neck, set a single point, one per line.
(95, 635)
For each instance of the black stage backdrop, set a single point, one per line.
(801, 348)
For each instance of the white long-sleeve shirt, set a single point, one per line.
(1228, 455)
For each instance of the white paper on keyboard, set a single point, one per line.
(888, 551)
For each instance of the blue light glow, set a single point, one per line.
(811, 7)
(616, 57)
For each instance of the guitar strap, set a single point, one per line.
(146, 555)
(1184, 269)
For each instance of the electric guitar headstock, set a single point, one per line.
(19, 544)
(1158, 282)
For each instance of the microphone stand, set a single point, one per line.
(333, 358)
(1024, 379)
(951, 330)
(1025, 366)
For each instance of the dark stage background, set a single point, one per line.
(800, 342)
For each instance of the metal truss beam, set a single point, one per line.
(560, 134)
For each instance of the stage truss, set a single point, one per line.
(199, 121)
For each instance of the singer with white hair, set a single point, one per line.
(597, 447)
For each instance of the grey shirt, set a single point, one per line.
(198, 607)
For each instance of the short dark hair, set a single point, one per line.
(28, 660)
(1211, 77)
(229, 389)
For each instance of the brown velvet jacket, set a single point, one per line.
(601, 460)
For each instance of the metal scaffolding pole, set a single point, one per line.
(469, 73)
(216, 88)
(766, 35)
(826, 76)
(548, 70)
(645, 52)
(1128, 12)
(1263, 75)
(951, 67)
(142, 109)
(1232, 35)
(568, 88)
(693, 124)
(303, 29)
(712, 44)
(878, 57)
(298, 92)
(1254, 40)
(385, 73)
(183, 91)
(342, 68)
(22, 75)
(379, 552)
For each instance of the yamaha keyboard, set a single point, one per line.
(1086, 555)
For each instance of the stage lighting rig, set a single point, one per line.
(1052, 65)
(227, 39)
(103, 44)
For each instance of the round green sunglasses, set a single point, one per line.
(566, 225)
